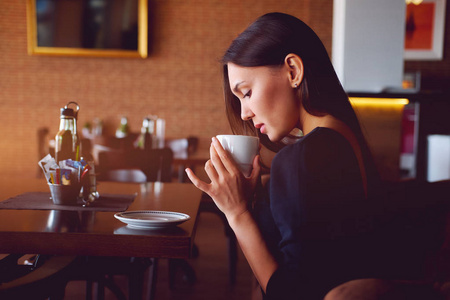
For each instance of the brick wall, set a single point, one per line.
(179, 81)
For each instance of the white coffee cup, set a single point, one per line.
(242, 148)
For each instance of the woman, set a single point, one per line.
(308, 233)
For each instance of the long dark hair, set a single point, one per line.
(266, 42)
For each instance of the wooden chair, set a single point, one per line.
(181, 147)
(133, 165)
(43, 149)
(46, 278)
(125, 143)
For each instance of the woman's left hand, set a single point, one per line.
(229, 188)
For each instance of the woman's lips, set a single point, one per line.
(261, 127)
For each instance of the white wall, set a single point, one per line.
(368, 42)
(438, 163)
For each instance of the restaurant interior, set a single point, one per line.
(174, 75)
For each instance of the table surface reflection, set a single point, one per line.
(99, 233)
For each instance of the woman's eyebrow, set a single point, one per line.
(236, 87)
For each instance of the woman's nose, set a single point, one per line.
(246, 113)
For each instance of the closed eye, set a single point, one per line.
(248, 94)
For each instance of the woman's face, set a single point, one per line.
(267, 98)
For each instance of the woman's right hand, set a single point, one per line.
(229, 188)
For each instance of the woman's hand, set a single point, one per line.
(229, 188)
(232, 191)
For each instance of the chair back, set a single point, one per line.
(43, 150)
(125, 143)
(135, 165)
(178, 146)
(182, 146)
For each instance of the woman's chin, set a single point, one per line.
(273, 138)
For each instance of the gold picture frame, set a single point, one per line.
(64, 47)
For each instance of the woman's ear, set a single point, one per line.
(295, 66)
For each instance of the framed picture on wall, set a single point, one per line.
(84, 28)
(425, 26)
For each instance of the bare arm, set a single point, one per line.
(231, 191)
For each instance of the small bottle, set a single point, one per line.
(160, 133)
(123, 129)
(89, 191)
(145, 140)
(64, 139)
(98, 127)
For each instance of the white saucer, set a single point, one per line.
(149, 219)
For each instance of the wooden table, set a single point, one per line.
(99, 233)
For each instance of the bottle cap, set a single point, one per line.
(67, 112)
(75, 113)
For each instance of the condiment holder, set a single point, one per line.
(65, 194)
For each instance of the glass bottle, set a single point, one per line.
(98, 127)
(147, 130)
(67, 143)
(123, 129)
(64, 137)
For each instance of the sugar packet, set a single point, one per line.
(48, 163)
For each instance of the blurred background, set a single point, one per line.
(180, 80)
